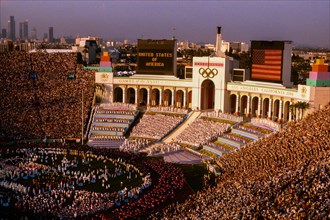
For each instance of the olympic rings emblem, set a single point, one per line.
(208, 73)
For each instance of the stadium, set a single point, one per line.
(82, 142)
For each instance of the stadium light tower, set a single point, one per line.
(82, 117)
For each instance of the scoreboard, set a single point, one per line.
(156, 57)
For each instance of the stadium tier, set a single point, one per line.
(110, 124)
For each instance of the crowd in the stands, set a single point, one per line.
(161, 148)
(283, 176)
(201, 131)
(134, 145)
(156, 125)
(42, 95)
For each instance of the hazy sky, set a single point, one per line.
(301, 21)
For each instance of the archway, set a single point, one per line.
(130, 94)
(233, 103)
(265, 108)
(118, 95)
(155, 97)
(179, 99)
(167, 97)
(276, 108)
(143, 94)
(190, 99)
(207, 95)
(254, 106)
(286, 111)
(243, 105)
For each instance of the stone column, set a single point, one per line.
(237, 104)
(248, 106)
(270, 109)
(259, 107)
(173, 100)
(148, 97)
(124, 94)
(136, 96)
(280, 111)
(290, 112)
(184, 99)
(161, 97)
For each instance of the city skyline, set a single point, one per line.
(303, 22)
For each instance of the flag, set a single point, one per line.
(267, 64)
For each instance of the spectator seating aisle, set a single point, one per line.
(110, 124)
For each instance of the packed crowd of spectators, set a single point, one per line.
(171, 180)
(155, 125)
(168, 109)
(161, 148)
(201, 131)
(225, 116)
(134, 145)
(104, 137)
(38, 96)
(283, 176)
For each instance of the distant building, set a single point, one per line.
(45, 38)
(62, 40)
(23, 30)
(4, 33)
(34, 34)
(88, 47)
(51, 34)
(20, 32)
(11, 28)
(26, 30)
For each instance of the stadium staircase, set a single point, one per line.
(171, 136)
(109, 126)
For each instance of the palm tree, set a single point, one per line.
(301, 106)
(292, 108)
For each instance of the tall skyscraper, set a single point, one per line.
(34, 34)
(20, 31)
(8, 29)
(26, 30)
(3, 33)
(51, 34)
(11, 28)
